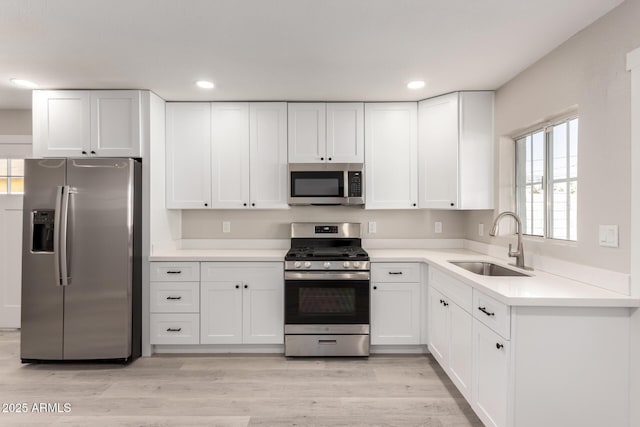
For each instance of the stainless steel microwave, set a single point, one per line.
(326, 184)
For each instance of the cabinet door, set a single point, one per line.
(188, 155)
(61, 121)
(230, 155)
(115, 123)
(345, 132)
(268, 155)
(221, 312)
(490, 385)
(391, 148)
(395, 313)
(460, 348)
(307, 133)
(438, 151)
(438, 327)
(263, 303)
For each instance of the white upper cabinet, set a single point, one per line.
(188, 160)
(321, 133)
(456, 151)
(391, 155)
(234, 156)
(74, 123)
(229, 155)
(268, 154)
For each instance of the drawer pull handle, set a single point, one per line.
(174, 329)
(395, 273)
(328, 342)
(484, 310)
(499, 346)
(174, 272)
(174, 298)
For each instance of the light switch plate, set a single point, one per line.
(372, 227)
(226, 226)
(481, 229)
(608, 236)
(437, 227)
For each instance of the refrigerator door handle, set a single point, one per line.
(56, 235)
(64, 220)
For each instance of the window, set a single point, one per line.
(547, 180)
(11, 176)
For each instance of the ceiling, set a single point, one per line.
(280, 49)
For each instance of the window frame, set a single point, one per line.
(547, 184)
(8, 176)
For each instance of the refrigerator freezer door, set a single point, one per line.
(42, 296)
(98, 298)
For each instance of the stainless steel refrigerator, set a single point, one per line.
(81, 263)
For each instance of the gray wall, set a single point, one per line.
(15, 122)
(587, 71)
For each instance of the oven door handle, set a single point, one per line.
(325, 275)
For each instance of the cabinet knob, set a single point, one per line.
(246, 286)
(414, 204)
(244, 204)
(93, 152)
(375, 287)
(329, 159)
(237, 286)
(206, 204)
(499, 346)
(253, 204)
(321, 158)
(453, 204)
(84, 152)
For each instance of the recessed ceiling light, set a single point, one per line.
(24, 83)
(203, 84)
(417, 84)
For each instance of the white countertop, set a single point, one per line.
(539, 289)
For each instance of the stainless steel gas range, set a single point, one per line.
(327, 297)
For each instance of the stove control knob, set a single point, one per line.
(327, 265)
(356, 264)
(307, 264)
(297, 264)
(346, 264)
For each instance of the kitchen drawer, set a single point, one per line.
(494, 314)
(457, 291)
(175, 271)
(175, 297)
(395, 272)
(175, 329)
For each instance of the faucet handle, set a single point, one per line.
(512, 253)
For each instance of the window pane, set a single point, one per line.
(537, 156)
(17, 185)
(17, 167)
(559, 211)
(3, 185)
(559, 149)
(573, 148)
(573, 213)
(4, 167)
(537, 209)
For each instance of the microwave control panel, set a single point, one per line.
(355, 184)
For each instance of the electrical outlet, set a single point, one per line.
(480, 229)
(437, 227)
(372, 227)
(226, 226)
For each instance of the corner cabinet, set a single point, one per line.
(456, 150)
(326, 132)
(226, 155)
(391, 151)
(529, 366)
(76, 123)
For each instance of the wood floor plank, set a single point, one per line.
(234, 391)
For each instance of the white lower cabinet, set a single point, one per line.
(242, 303)
(450, 337)
(491, 354)
(395, 304)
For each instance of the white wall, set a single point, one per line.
(15, 122)
(587, 71)
(248, 224)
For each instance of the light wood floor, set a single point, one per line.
(236, 390)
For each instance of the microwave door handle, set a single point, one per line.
(345, 185)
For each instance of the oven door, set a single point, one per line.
(326, 298)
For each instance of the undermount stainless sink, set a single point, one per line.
(487, 268)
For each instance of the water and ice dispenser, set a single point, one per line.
(42, 223)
